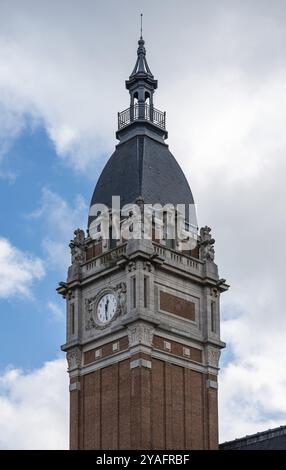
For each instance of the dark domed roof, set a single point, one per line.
(142, 167)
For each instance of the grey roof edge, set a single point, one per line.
(145, 132)
(253, 438)
(140, 127)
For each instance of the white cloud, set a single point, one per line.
(34, 407)
(252, 396)
(57, 312)
(59, 222)
(49, 74)
(231, 143)
(64, 137)
(19, 270)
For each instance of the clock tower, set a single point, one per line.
(143, 312)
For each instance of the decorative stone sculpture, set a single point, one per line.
(90, 305)
(121, 296)
(206, 244)
(131, 266)
(73, 358)
(147, 266)
(140, 333)
(213, 355)
(77, 247)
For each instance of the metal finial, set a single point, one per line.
(141, 22)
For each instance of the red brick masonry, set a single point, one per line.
(178, 306)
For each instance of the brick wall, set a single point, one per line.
(177, 349)
(165, 407)
(178, 306)
(106, 350)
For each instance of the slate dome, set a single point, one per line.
(142, 167)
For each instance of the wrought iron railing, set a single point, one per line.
(142, 112)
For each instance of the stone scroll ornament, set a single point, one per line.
(206, 244)
(77, 247)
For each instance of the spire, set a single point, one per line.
(141, 69)
(141, 66)
(141, 86)
(141, 72)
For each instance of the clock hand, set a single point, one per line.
(106, 309)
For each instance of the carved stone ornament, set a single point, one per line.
(147, 266)
(140, 333)
(77, 247)
(131, 266)
(206, 244)
(90, 312)
(74, 359)
(214, 292)
(213, 356)
(121, 292)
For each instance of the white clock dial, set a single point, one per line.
(106, 308)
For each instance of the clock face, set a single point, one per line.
(106, 308)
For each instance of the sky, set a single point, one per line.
(222, 81)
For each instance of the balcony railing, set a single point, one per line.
(142, 112)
